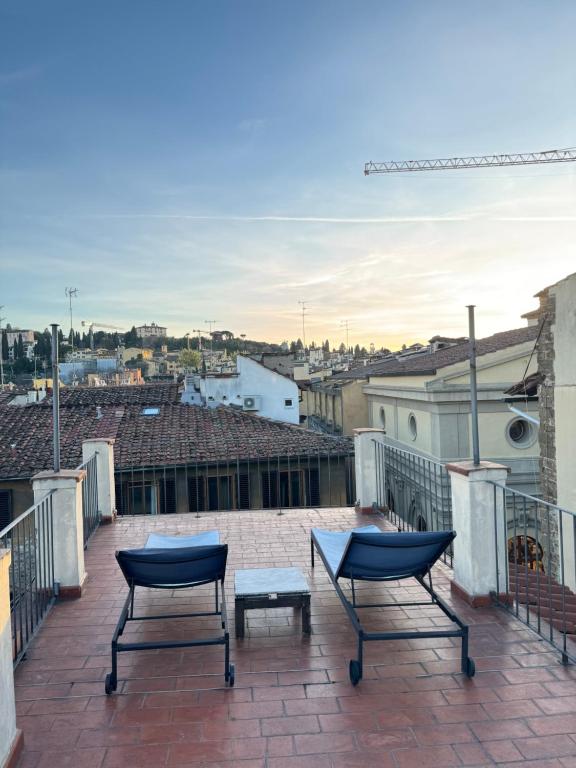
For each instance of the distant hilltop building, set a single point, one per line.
(150, 331)
(28, 342)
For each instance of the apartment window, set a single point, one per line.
(5, 508)
(288, 403)
(413, 426)
(290, 488)
(143, 500)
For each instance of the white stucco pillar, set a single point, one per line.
(10, 737)
(368, 468)
(104, 450)
(480, 548)
(69, 571)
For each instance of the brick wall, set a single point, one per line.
(546, 398)
(548, 521)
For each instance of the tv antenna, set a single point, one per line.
(72, 293)
(346, 325)
(304, 310)
(211, 323)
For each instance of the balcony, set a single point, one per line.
(293, 705)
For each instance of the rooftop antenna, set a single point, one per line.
(211, 323)
(304, 310)
(1, 356)
(346, 325)
(72, 293)
(199, 332)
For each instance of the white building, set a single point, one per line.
(28, 342)
(252, 388)
(150, 331)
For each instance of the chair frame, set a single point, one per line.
(351, 606)
(127, 614)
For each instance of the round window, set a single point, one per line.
(383, 416)
(520, 433)
(413, 426)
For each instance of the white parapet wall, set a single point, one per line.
(369, 477)
(68, 530)
(103, 448)
(10, 736)
(478, 517)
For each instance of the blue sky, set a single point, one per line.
(187, 160)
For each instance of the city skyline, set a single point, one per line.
(207, 162)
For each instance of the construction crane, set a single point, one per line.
(476, 161)
(91, 325)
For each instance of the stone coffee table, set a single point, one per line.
(271, 588)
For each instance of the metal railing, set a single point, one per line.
(537, 579)
(30, 537)
(90, 511)
(279, 482)
(414, 491)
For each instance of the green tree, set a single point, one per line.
(190, 358)
(19, 348)
(131, 338)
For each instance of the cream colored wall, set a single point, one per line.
(565, 391)
(400, 381)
(355, 407)
(510, 371)
(397, 423)
(492, 430)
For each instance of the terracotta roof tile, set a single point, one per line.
(428, 363)
(178, 434)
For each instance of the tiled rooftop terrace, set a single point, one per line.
(293, 705)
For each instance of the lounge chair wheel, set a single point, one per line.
(355, 672)
(230, 678)
(110, 684)
(469, 667)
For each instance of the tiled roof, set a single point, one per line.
(178, 434)
(428, 363)
(144, 394)
(528, 387)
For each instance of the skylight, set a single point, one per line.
(150, 411)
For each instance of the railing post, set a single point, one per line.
(368, 476)
(478, 517)
(11, 739)
(68, 527)
(104, 450)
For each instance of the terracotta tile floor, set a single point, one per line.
(292, 705)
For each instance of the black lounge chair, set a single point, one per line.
(173, 562)
(368, 554)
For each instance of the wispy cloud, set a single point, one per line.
(19, 75)
(253, 125)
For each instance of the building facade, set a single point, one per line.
(151, 331)
(253, 388)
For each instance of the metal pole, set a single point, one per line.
(55, 398)
(1, 358)
(473, 387)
